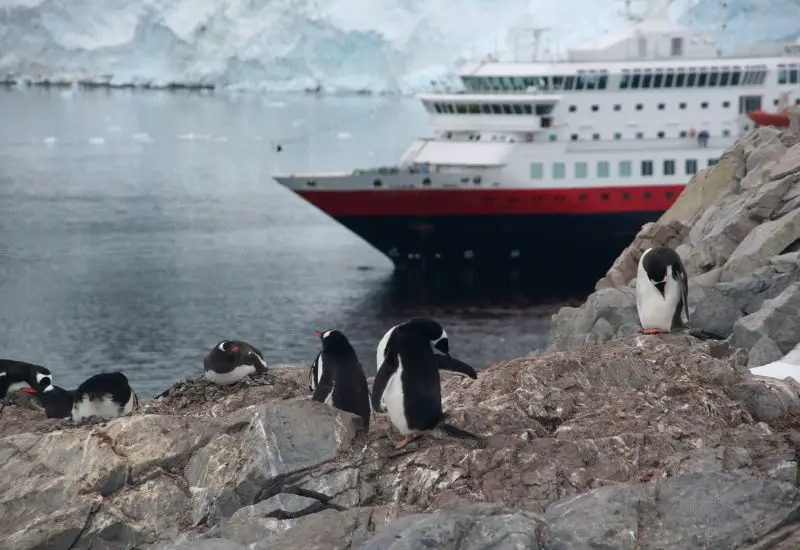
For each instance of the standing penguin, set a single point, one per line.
(439, 344)
(407, 385)
(662, 289)
(337, 377)
(19, 375)
(106, 395)
(231, 360)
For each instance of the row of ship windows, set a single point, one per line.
(636, 79)
(660, 106)
(624, 169)
(788, 76)
(491, 108)
(639, 135)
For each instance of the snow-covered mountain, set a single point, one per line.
(347, 45)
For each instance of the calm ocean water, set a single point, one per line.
(138, 228)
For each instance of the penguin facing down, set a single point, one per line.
(19, 375)
(407, 384)
(56, 403)
(440, 347)
(662, 290)
(106, 395)
(337, 377)
(232, 360)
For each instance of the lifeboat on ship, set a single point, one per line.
(765, 118)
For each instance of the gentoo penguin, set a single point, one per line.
(107, 395)
(18, 375)
(231, 360)
(662, 289)
(440, 346)
(407, 385)
(337, 377)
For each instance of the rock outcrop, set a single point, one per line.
(642, 442)
(737, 228)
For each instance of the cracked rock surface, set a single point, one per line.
(642, 442)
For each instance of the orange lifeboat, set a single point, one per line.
(765, 118)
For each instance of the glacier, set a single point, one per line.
(386, 46)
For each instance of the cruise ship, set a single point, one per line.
(539, 163)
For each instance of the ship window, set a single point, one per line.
(617, 135)
(783, 75)
(311, 183)
(670, 194)
(677, 46)
(553, 137)
(682, 134)
(580, 82)
(624, 80)
(477, 180)
(596, 137)
(426, 181)
(646, 80)
(681, 105)
(617, 107)
(590, 81)
(712, 162)
(668, 80)
(679, 78)
(557, 82)
(625, 169)
(450, 108)
(701, 79)
(544, 109)
(793, 75)
(690, 78)
(581, 170)
(582, 197)
(726, 133)
(648, 195)
(639, 135)
(486, 109)
(518, 109)
(735, 77)
(657, 80)
(527, 108)
(474, 109)
(704, 105)
(507, 109)
(626, 196)
(595, 108)
(660, 135)
(537, 171)
(723, 78)
(377, 183)
(647, 167)
(461, 108)
(669, 167)
(559, 170)
(464, 180)
(635, 80)
(712, 79)
(639, 106)
(496, 109)
(691, 167)
(574, 137)
(569, 83)
(660, 106)
(572, 108)
(602, 82)
(603, 169)
(726, 104)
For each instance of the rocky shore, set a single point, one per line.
(610, 439)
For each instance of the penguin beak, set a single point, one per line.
(28, 390)
(234, 349)
(319, 334)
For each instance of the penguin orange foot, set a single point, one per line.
(405, 441)
(654, 331)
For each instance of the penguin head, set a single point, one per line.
(334, 342)
(40, 379)
(433, 332)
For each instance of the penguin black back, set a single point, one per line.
(16, 375)
(338, 377)
(107, 395)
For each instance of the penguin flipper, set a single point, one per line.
(451, 364)
(448, 430)
(385, 372)
(321, 392)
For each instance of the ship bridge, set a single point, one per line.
(525, 112)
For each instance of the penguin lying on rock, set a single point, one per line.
(337, 378)
(106, 395)
(232, 360)
(407, 384)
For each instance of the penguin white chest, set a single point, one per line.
(656, 310)
(231, 377)
(380, 355)
(104, 408)
(394, 402)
